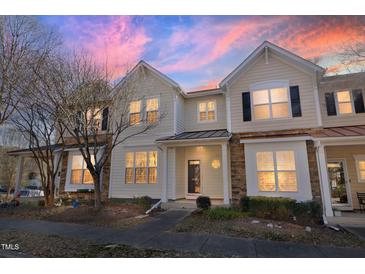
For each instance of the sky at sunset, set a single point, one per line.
(199, 51)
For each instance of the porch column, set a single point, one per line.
(225, 174)
(19, 174)
(165, 175)
(324, 181)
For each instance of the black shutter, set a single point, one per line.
(295, 101)
(104, 123)
(246, 106)
(358, 101)
(330, 104)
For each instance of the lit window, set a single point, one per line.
(129, 163)
(152, 167)
(270, 103)
(207, 111)
(135, 112)
(141, 167)
(79, 172)
(360, 166)
(344, 102)
(152, 110)
(276, 171)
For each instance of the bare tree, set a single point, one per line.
(24, 43)
(8, 169)
(96, 116)
(353, 57)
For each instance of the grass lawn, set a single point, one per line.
(53, 246)
(114, 216)
(240, 225)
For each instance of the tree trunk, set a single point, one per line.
(49, 194)
(97, 191)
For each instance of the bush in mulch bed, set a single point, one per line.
(203, 202)
(282, 209)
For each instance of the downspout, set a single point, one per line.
(325, 221)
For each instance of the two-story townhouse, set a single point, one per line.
(185, 155)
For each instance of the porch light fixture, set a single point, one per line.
(216, 164)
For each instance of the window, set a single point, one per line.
(94, 118)
(152, 110)
(79, 172)
(135, 112)
(270, 103)
(360, 166)
(207, 111)
(344, 102)
(141, 167)
(276, 171)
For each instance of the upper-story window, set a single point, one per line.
(207, 111)
(135, 112)
(270, 103)
(344, 102)
(152, 110)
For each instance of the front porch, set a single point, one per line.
(195, 164)
(341, 160)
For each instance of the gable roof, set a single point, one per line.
(278, 50)
(154, 71)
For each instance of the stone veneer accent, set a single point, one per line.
(313, 171)
(238, 172)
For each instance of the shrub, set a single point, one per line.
(244, 203)
(145, 202)
(271, 207)
(278, 208)
(222, 213)
(307, 212)
(203, 202)
(41, 203)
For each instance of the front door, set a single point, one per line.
(338, 183)
(193, 176)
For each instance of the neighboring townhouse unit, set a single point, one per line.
(274, 127)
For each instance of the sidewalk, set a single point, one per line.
(154, 234)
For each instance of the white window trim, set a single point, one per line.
(358, 158)
(145, 105)
(353, 113)
(134, 167)
(276, 171)
(215, 111)
(304, 192)
(268, 85)
(143, 110)
(74, 187)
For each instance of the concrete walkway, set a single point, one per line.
(154, 234)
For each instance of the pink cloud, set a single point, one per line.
(117, 43)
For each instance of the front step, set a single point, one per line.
(179, 205)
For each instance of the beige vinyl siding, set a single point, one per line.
(179, 114)
(118, 187)
(180, 173)
(276, 69)
(211, 178)
(191, 113)
(147, 86)
(348, 153)
(341, 120)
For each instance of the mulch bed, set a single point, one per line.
(277, 231)
(115, 216)
(53, 246)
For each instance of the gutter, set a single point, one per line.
(154, 207)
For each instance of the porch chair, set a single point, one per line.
(361, 198)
